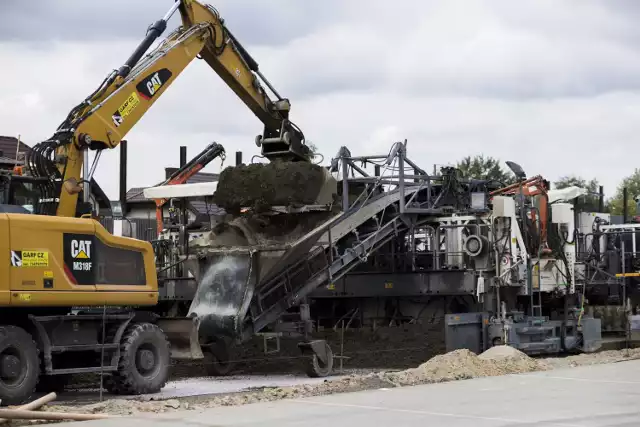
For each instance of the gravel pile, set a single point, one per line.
(464, 364)
(609, 356)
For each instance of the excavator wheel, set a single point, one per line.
(318, 369)
(19, 365)
(144, 361)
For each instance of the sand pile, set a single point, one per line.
(270, 184)
(464, 364)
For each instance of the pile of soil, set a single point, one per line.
(464, 364)
(260, 185)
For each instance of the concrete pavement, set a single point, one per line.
(589, 396)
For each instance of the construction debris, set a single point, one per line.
(32, 406)
(19, 414)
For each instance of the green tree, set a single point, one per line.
(632, 182)
(589, 202)
(313, 150)
(481, 167)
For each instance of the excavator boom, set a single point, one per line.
(103, 119)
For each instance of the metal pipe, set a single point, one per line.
(416, 168)
(601, 199)
(183, 204)
(414, 195)
(406, 176)
(269, 85)
(183, 155)
(171, 11)
(86, 193)
(94, 165)
(365, 158)
(624, 270)
(401, 184)
(155, 30)
(238, 158)
(345, 184)
(374, 180)
(123, 176)
(625, 201)
(358, 169)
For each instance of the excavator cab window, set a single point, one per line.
(20, 192)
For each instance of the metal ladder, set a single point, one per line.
(319, 267)
(535, 292)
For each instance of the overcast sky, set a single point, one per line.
(553, 85)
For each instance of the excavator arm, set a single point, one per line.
(182, 175)
(103, 119)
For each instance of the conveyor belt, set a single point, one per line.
(310, 262)
(238, 299)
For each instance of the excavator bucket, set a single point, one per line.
(182, 334)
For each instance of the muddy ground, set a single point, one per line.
(384, 348)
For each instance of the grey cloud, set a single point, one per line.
(455, 77)
(259, 23)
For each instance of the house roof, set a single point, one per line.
(198, 177)
(8, 161)
(135, 194)
(8, 145)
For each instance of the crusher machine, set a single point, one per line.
(502, 258)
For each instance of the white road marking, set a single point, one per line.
(437, 414)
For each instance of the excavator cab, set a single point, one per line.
(19, 193)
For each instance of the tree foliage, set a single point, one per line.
(313, 151)
(591, 201)
(632, 182)
(481, 167)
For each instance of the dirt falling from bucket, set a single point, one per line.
(221, 292)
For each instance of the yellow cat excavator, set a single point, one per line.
(74, 298)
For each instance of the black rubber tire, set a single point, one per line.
(130, 378)
(217, 361)
(53, 383)
(317, 369)
(20, 343)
